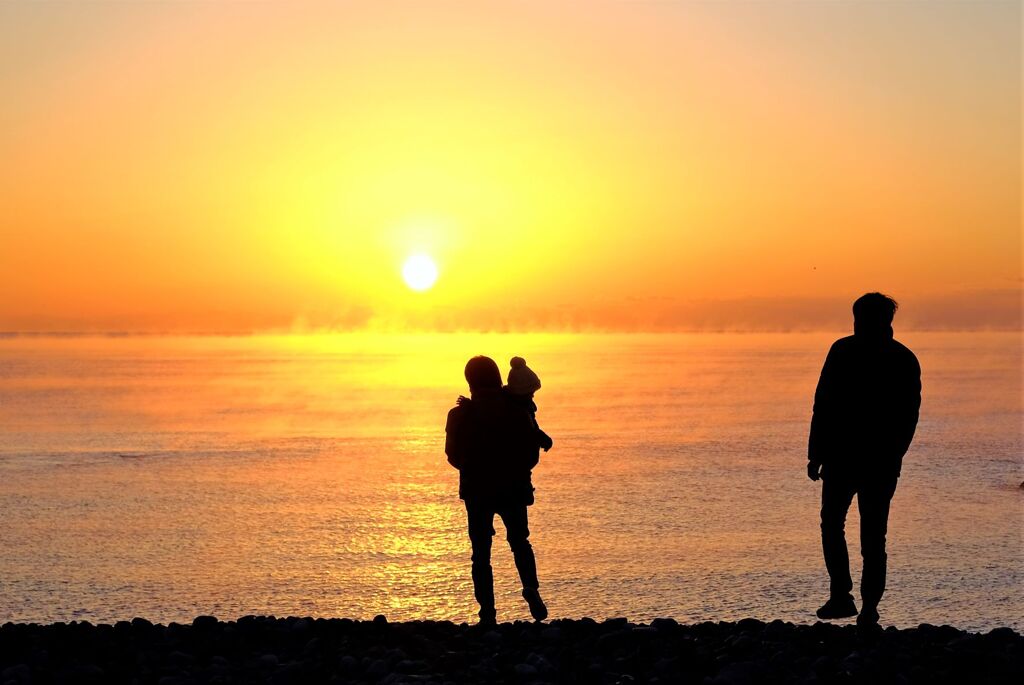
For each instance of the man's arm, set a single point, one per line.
(821, 417)
(454, 438)
(910, 405)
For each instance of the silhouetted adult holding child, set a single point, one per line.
(865, 414)
(492, 440)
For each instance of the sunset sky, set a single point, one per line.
(250, 166)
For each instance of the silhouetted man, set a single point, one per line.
(865, 414)
(492, 441)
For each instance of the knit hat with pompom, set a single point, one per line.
(521, 378)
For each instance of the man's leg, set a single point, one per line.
(517, 531)
(518, 534)
(873, 499)
(481, 531)
(836, 496)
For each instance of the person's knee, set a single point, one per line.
(480, 535)
(873, 550)
(519, 543)
(873, 531)
(480, 531)
(481, 549)
(832, 525)
(517, 533)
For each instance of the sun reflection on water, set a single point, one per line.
(169, 477)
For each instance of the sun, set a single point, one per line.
(419, 272)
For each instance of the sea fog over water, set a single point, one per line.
(167, 477)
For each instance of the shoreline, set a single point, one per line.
(265, 649)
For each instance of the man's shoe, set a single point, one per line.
(537, 608)
(867, 625)
(488, 617)
(837, 607)
(868, 618)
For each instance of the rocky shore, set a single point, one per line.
(257, 649)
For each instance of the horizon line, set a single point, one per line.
(10, 334)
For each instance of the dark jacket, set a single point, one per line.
(492, 442)
(866, 405)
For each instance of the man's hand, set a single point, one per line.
(813, 470)
(462, 400)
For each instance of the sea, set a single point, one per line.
(305, 475)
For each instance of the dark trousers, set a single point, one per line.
(481, 532)
(874, 493)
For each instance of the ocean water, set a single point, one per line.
(304, 475)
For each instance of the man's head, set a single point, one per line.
(482, 374)
(873, 313)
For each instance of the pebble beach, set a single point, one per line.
(260, 649)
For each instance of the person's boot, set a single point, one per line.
(488, 618)
(837, 607)
(538, 609)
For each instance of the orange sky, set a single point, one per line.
(235, 166)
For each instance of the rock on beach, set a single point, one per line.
(279, 651)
